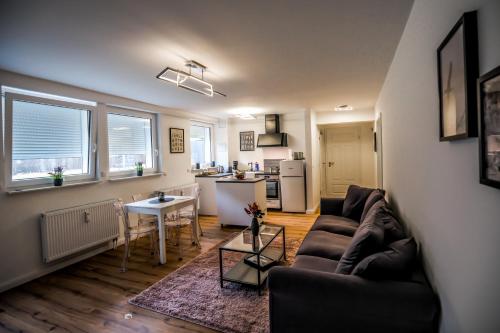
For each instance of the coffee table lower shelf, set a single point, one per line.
(245, 274)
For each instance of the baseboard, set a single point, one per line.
(17, 281)
(314, 210)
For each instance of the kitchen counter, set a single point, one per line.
(208, 199)
(267, 173)
(243, 181)
(234, 195)
(216, 175)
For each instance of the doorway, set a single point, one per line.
(347, 157)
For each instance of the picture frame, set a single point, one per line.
(176, 140)
(247, 141)
(488, 88)
(458, 69)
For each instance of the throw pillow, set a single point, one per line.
(355, 202)
(375, 196)
(394, 263)
(367, 240)
(393, 228)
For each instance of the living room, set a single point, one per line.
(161, 100)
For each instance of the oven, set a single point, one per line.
(273, 191)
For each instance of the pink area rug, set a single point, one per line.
(193, 293)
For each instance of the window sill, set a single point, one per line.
(122, 178)
(49, 187)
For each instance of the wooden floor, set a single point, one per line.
(91, 296)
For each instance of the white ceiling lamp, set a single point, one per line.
(189, 81)
(343, 107)
(246, 116)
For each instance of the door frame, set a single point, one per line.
(322, 154)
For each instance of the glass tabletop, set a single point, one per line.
(243, 241)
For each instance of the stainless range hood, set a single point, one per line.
(273, 137)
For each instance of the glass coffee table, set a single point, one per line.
(246, 270)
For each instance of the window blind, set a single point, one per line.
(129, 135)
(46, 132)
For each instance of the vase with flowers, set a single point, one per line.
(139, 167)
(57, 175)
(256, 213)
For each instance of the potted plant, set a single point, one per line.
(256, 213)
(57, 175)
(139, 167)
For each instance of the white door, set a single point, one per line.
(342, 160)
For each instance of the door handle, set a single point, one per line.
(330, 164)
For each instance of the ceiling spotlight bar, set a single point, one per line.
(189, 81)
(344, 107)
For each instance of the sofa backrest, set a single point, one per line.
(354, 202)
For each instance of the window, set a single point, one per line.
(201, 144)
(131, 139)
(44, 133)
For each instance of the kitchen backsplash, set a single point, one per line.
(272, 163)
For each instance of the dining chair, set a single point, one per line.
(134, 230)
(174, 224)
(143, 219)
(174, 228)
(192, 190)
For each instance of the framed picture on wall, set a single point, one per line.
(247, 141)
(457, 59)
(176, 140)
(489, 128)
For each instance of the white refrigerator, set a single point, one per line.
(293, 186)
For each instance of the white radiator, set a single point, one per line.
(71, 230)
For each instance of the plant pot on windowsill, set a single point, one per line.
(139, 168)
(57, 175)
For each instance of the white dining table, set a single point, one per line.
(152, 206)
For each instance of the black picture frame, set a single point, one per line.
(176, 140)
(247, 141)
(488, 92)
(457, 93)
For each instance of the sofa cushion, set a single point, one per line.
(374, 197)
(394, 263)
(324, 244)
(393, 230)
(337, 224)
(355, 202)
(315, 263)
(368, 239)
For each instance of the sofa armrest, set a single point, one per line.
(331, 206)
(302, 300)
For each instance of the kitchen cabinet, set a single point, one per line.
(234, 195)
(208, 202)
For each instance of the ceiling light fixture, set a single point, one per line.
(189, 81)
(344, 107)
(246, 116)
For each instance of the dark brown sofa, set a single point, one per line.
(380, 286)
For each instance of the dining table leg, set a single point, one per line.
(161, 238)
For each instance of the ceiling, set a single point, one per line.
(273, 56)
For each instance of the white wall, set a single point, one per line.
(20, 244)
(291, 123)
(313, 139)
(337, 117)
(435, 185)
(299, 126)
